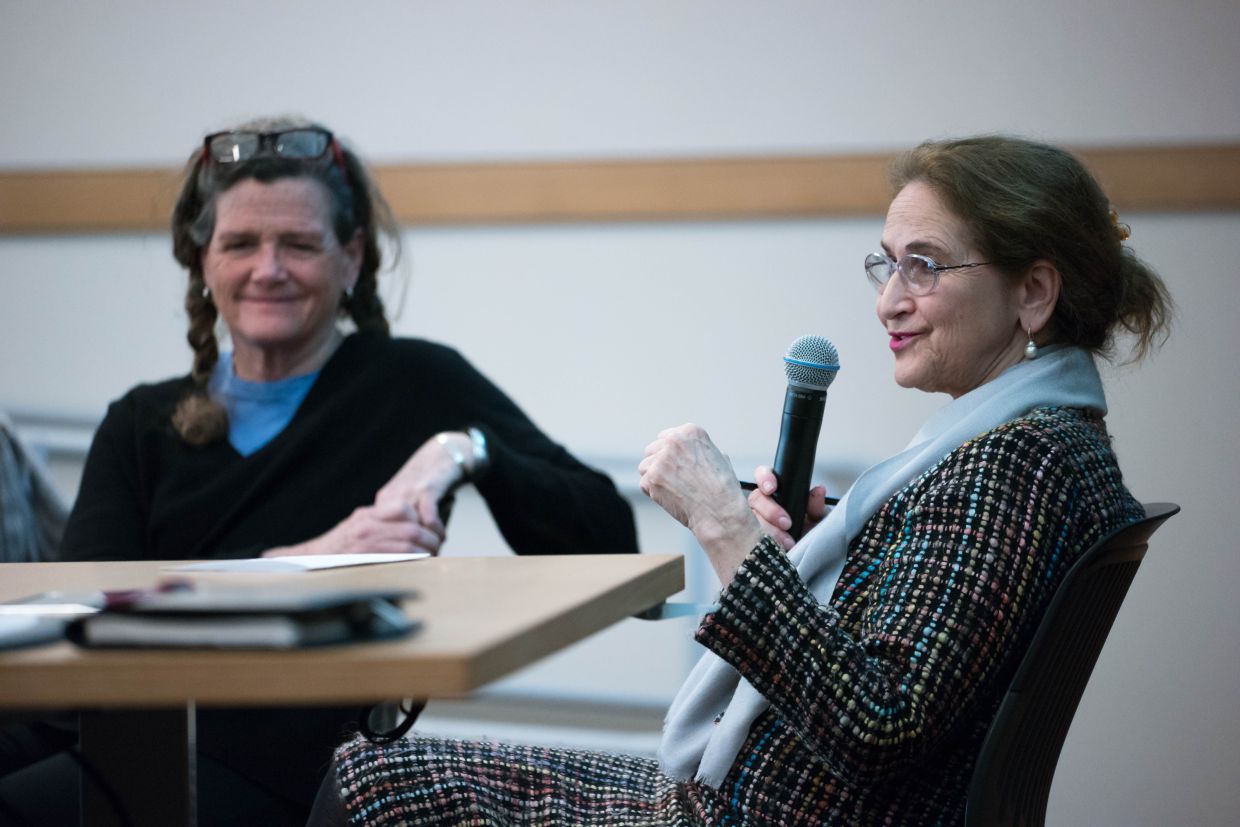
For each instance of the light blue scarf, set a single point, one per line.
(693, 744)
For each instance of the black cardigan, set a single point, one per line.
(145, 494)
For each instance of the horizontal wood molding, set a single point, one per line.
(1155, 178)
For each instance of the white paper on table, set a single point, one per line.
(300, 562)
(27, 631)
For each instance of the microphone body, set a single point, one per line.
(794, 456)
(811, 365)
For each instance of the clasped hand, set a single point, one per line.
(404, 517)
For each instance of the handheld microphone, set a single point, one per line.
(811, 365)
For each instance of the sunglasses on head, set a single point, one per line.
(303, 143)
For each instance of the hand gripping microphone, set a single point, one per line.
(811, 365)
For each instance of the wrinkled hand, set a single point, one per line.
(425, 479)
(391, 528)
(772, 516)
(689, 478)
(405, 515)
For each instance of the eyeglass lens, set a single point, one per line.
(233, 147)
(917, 271)
(301, 143)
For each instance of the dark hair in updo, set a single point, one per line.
(355, 204)
(1024, 201)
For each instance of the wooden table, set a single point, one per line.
(483, 617)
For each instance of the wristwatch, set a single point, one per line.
(482, 457)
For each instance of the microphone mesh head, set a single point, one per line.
(812, 362)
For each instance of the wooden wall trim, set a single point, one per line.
(1155, 178)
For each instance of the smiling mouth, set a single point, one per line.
(900, 340)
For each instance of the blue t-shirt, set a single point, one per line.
(257, 411)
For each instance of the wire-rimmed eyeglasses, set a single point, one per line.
(920, 273)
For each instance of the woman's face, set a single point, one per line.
(275, 269)
(967, 330)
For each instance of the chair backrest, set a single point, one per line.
(1012, 779)
(32, 515)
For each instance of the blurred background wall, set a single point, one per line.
(607, 332)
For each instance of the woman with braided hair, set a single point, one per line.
(306, 437)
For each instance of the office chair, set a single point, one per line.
(1012, 779)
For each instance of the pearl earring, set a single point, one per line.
(1031, 349)
(206, 292)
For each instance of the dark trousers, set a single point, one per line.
(255, 766)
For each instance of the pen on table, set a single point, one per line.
(753, 486)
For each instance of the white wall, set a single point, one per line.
(623, 329)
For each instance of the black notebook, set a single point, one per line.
(244, 619)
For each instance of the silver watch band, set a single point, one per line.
(482, 457)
